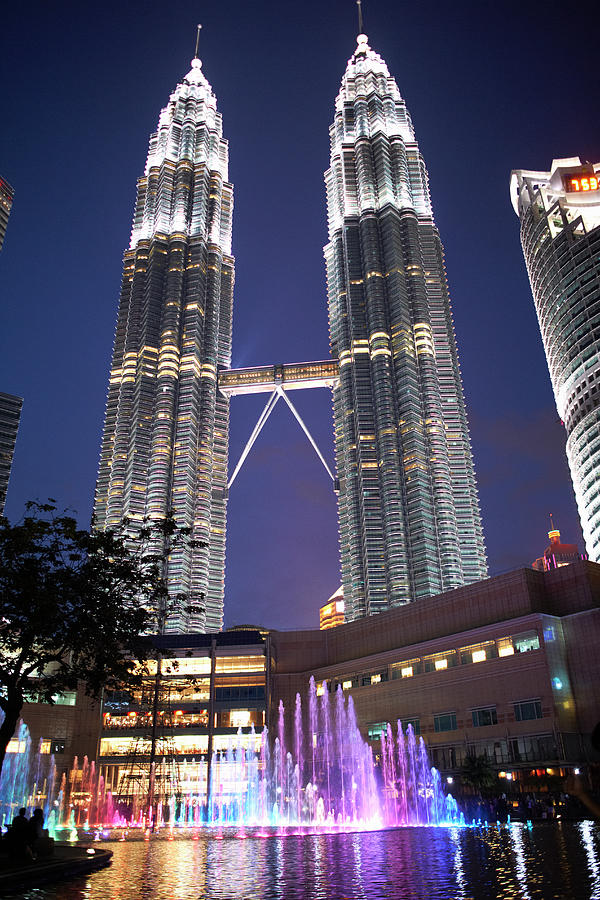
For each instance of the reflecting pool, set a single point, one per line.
(546, 861)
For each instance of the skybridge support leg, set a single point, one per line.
(281, 393)
(257, 430)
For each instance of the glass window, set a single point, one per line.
(240, 663)
(445, 722)
(439, 661)
(193, 665)
(376, 730)
(240, 692)
(528, 709)
(444, 757)
(505, 646)
(240, 718)
(484, 716)
(526, 641)
(415, 722)
(478, 652)
(67, 698)
(406, 669)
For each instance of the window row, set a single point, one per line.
(481, 717)
(436, 662)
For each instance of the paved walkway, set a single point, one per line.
(66, 862)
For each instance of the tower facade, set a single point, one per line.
(6, 201)
(409, 515)
(559, 212)
(164, 447)
(10, 416)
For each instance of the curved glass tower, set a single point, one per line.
(164, 447)
(560, 235)
(409, 515)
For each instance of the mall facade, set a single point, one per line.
(506, 668)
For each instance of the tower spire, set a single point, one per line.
(197, 40)
(361, 29)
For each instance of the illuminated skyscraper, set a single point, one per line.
(409, 515)
(10, 415)
(6, 200)
(165, 436)
(560, 235)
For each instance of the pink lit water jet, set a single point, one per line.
(328, 780)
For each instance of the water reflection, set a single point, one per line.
(553, 861)
(459, 871)
(588, 837)
(516, 835)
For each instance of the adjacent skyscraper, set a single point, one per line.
(560, 234)
(6, 200)
(10, 415)
(165, 436)
(409, 515)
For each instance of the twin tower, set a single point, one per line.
(409, 517)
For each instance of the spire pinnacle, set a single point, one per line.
(197, 40)
(361, 29)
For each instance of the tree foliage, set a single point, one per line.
(74, 605)
(478, 772)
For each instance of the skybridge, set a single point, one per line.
(277, 381)
(265, 379)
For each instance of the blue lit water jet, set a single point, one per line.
(328, 778)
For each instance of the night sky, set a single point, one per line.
(490, 87)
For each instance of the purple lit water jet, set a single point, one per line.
(327, 780)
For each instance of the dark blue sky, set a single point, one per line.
(490, 86)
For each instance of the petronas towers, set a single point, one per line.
(164, 448)
(408, 508)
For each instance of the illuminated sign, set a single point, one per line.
(583, 183)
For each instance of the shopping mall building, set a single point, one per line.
(507, 668)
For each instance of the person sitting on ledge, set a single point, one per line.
(17, 838)
(39, 841)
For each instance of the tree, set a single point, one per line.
(478, 772)
(74, 606)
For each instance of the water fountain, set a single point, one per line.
(319, 774)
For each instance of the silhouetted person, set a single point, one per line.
(35, 832)
(574, 786)
(20, 822)
(18, 837)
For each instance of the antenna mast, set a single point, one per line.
(361, 29)
(197, 40)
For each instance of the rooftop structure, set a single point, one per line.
(559, 212)
(332, 613)
(556, 553)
